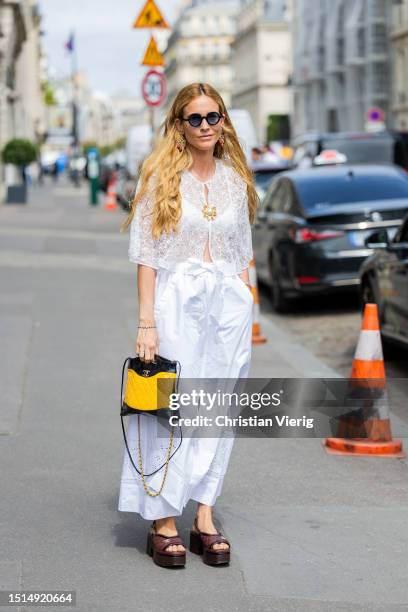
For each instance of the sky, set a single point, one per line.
(108, 49)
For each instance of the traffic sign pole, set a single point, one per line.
(154, 82)
(152, 124)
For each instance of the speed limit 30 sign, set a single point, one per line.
(154, 87)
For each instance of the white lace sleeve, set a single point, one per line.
(142, 246)
(244, 245)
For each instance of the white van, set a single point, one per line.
(245, 129)
(138, 145)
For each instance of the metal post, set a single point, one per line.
(74, 98)
(151, 109)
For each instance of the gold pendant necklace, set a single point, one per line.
(209, 212)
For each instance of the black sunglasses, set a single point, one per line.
(195, 119)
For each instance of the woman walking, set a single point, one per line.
(190, 233)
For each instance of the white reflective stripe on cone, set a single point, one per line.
(369, 346)
(256, 313)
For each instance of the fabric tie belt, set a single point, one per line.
(196, 267)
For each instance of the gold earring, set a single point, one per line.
(221, 140)
(180, 142)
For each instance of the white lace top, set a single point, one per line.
(229, 233)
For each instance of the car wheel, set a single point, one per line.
(280, 302)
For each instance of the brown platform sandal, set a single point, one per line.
(201, 543)
(156, 548)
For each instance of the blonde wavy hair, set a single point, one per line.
(167, 162)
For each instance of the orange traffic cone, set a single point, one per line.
(110, 201)
(257, 337)
(367, 432)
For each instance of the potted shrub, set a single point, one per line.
(19, 152)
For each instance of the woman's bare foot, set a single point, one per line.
(205, 523)
(167, 527)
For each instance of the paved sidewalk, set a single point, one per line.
(309, 531)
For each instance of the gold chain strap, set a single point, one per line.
(145, 485)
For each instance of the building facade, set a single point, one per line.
(22, 110)
(199, 48)
(262, 64)
(21, 100)
(399, 43)
(342, 63)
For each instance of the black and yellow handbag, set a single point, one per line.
(147, 390)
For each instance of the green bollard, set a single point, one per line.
(93, 175)
(94, 190)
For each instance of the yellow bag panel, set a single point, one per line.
(144, 393)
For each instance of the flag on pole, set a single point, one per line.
(69, 45)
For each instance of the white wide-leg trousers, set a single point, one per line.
(204, 320)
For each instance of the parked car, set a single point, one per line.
(384, 281)
(311, 225)
(264, 172)
(138, 146)
(385, 147)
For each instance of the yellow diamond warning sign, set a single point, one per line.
(152, 57)
(150, 17)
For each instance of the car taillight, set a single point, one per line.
(312, 235)
(304, 280)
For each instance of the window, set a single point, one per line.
(286, 198)
(379, 9)
(292, 203)
(323, 190)
(264, 178)
(379, 41)
(305, 150)
(321, 48)
(266, 203)
(276, 200)
(380, 77)
(363, 150)
(280, 199)
(195, 25)
(361, 41)
(340, 37)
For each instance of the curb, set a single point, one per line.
(304, 363)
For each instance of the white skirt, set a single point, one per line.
(203, 315)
